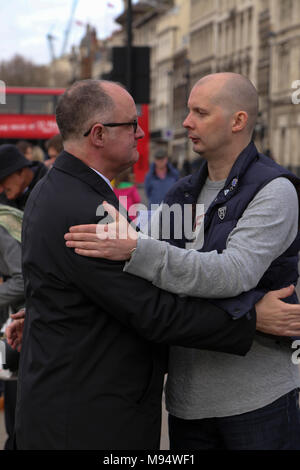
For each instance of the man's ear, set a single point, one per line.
(26, 174)
(240, 120)
(97, 135)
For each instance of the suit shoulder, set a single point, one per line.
(59, 195)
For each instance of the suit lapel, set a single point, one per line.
(73, 166)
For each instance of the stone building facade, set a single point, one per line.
(285, 69)
(192, 38)
(259, 39)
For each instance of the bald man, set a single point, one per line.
(246, 244)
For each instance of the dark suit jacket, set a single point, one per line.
(93, 355)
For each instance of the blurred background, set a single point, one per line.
(158, 49)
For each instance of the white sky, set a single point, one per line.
(24, 25)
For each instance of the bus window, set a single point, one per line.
(12, 105)
(38, 104)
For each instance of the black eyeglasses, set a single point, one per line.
(115, 124)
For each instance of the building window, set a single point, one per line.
(282, 148)
(12, 106)
(286, 11)
(284, 69)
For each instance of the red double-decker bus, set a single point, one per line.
(29, 113)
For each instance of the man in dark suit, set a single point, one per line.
(93, 354)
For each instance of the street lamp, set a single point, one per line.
(129, 46)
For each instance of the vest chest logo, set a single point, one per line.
(222, 212)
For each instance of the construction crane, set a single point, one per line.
(69, 26)
(50, 39)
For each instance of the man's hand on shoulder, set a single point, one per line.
(115, 241)
(276, 317)
(14, 331)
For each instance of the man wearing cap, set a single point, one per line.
(160, 178)
(18, 176)
(11, 299)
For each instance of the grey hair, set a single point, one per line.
(81, 103)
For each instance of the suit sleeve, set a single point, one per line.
(157, 315)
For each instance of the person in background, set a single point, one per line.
(26, 148)
(125, 188)
(18, 176)
(11, 299)
(53, 146)
(160, 178)
(38, 154)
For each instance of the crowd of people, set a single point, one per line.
(35, 153)
(110, 309)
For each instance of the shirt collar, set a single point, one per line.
(103, 177)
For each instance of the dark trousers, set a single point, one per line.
(273, 427)
(10, 399)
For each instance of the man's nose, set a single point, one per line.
(139, 132)
(187, 122)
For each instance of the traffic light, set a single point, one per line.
(140, 73)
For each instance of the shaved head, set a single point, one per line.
(233, 92)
